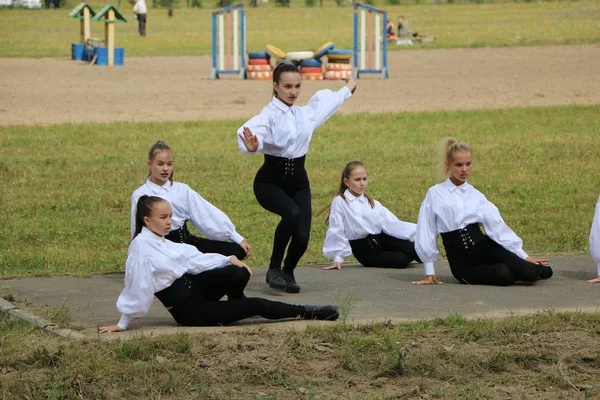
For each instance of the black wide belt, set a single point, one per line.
(179, 291)
(463, 240)
(285, 166)
(179, 235)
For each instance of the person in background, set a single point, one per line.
(140, 10)
(595, 241)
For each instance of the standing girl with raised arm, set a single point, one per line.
(188, 205)
(282, 132)
(457, 211)
(595, 241)
(361, 226)
(189, 283)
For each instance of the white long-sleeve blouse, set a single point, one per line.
(153, 264)
(188, 204)
(448, 207)
(284, 131)
(355, 219)
(595, 237)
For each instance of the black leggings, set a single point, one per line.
(182, 235)
(491, 264)
(383, 251)
(201, 306)
(289, 197)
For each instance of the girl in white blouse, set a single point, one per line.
(361, 226)
(457, 210)
(595, 241)
(188, 282)
(282, 132)
(188, 205)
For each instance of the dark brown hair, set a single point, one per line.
(351, 166)
(280, 69)
(157, 148)
(144, 207)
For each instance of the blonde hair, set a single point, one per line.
(351, 166)
(449, 146)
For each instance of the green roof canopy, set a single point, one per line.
(77, 12)
(100, 16)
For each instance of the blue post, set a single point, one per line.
(243, 41)
(384, 72)
(214, 74)
(355, 70)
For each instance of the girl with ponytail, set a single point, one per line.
(458, 212)
(282, 132)
(190, 284)
(361, 226)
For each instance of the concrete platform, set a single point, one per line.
(369, 294)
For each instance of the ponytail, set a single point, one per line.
(144, 207)
(448, 146)
(342, 188)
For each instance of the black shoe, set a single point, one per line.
(290, 282)
(546, 272)
(325, 313)
(274, 279)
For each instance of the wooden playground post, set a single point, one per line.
(109, 15)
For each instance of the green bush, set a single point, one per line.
(310, 3)
(393, 2)
(224, 3)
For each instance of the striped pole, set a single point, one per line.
(229, 41)
(370, 41)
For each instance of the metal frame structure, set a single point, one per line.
(370, 28)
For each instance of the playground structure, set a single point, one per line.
(369, 30)
(87, 49)
(229, 41)
(369, 54)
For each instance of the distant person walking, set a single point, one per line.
(140, 11)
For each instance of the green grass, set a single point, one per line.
(544, 355)
(48, 33)
(67, 188)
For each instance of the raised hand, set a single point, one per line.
(350, 84)
(249, 139)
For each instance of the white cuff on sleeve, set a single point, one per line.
(124, 321)
(521, 254)
(429, 268)
(236, 238)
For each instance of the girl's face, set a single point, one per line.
(161, 167)
(159, 221)
(288, 88)
(358, 181)
(460, 167)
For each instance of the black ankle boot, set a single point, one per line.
(546, 272)
(290, 282)
(274, 279)
(325, 313)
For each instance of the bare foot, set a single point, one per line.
(595, 280)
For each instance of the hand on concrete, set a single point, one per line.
(429, 280)
(335, 265)
(595, 280)
(110, 329)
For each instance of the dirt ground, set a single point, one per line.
(48, 91)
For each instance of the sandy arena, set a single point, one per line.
(50, 91)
